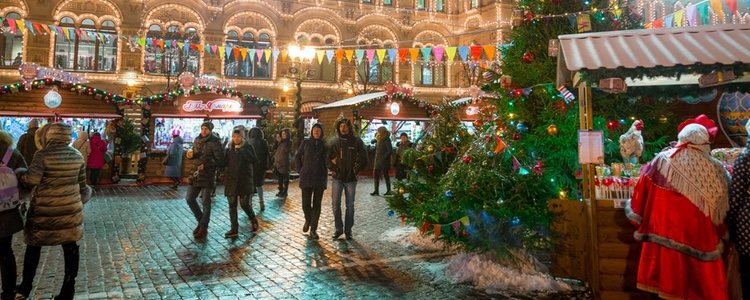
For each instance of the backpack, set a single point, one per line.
(9, 196)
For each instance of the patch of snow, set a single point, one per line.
(494, 278)
(409, 237)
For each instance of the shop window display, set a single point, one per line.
(11, 46)
(87, 53)
(251, 66)
(412, 128)
(17, 126)
(169, 59)
(189, 129)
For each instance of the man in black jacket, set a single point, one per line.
(346, 158)
(207, 151)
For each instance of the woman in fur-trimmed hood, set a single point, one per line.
(679, 205)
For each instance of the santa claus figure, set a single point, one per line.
(679, 205)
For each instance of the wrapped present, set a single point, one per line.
(613, 85)
(716, 78)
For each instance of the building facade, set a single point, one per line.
(134, 70)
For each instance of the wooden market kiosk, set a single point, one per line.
(83, 107)
(609, 253)
(370, 111)
(469, 110)
(184, 117)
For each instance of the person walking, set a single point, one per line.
(282, 161)
(738, 217)
(27, 143)
(95, 161)
(238, 179)
(382, 166)
(346, 158)
(82, 144)
(398, 157)
(313, 177)
(10, 217)
(173, 161)
(260, 145)
(209, 157)
(55, 215)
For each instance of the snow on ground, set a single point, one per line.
(477, 269)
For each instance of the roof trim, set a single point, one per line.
(352, 101)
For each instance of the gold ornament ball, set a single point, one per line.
(552, 129)
(663, 119)
(498, 122)
(401, 191)
(430, 148)
(478, 123)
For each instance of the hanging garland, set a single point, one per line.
(81, 89)
(671, 72)
(169, 96)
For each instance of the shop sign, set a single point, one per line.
(224, 105)
(52, 99)
(31, 71)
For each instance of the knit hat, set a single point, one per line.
(34, 123)
(241, 130)
(208, 125)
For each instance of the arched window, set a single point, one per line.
(172, 52)
(11, 44)
(474, 3)
(419, 4)
(439, 6)
(252, 65)
(429, 74)
(387, 2)
(87, 48)
(324, 70)
(375, 71)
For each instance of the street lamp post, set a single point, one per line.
(304, 56)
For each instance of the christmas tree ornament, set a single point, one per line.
(430, 168)
(391, 213)
(552, 130)
(539, 167)
(522, 127)
(516, 136)
(498, 122)
(500, 131)
(466, 159)
(401, 190)
(430, 148)
(528, 57)
(448, 194)
(663, 119)
(612, 125)
(478, 123)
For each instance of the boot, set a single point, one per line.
(201, 233)
(71, 272)
(232, 233)
(254, 224)
(306, 227)
(262, 205)
(314, 235)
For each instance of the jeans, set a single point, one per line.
(244, 203)
(7, 268)
(382, 173)
(349, 188)
(31, 262)
(204, 216)
(311, 200)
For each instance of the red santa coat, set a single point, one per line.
(679, 211)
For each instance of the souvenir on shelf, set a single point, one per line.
(727, 156)
(616, 182)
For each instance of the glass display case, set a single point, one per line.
(190, 128)
(413, 128)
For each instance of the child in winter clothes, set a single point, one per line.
(282, 161)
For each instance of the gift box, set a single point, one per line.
(716, 78)
(613, 85)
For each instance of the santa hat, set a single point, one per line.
(704, 121)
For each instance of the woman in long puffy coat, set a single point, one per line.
(173, 161)
(55, 215)
(260, 145)
(10, 221)
(313, 177)
(282, 161)
(238, 179)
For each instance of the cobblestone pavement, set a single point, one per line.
(138, 244)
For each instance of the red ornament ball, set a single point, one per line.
(613, 124)
(466, 159)
(430, 168)
(516, 136)
(528, 57)
(478, 123)
(516, 93)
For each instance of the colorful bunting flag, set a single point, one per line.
(259, 54)
(678, 16)
(275, 54)
(490, 51)
(284, 54)
(718, 8)
(692, 18)
(381, 55)
(426, 54)
(320, 54)
(236, 54)
(339, 55)
(414, 52)
(583, 22)
(243, 52)
(703, 12)
(30, 27)
(438, 52)
(464, 220)
(476, 52)
(463, 52)
(436, 229)
(370, 55)
(221, 52)
(329, 55)
(732, 4)
(451, 52)
(252, 54)
(402, 52)
(267, 52)
(360, 54)
(348, 54)
(21, 26)
(392, 53)
(456, 225)
(668, 21)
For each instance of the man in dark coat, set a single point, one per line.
(55, 215)
(398, 157)
(238, 178)
(313, 177)
(346, 158)
(282, 161)
(207, 151)
(26, 144)
(260, 145)
(382, 168)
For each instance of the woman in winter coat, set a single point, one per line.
(260, 145)
(282, 161)
(10, 220)
(173, 161)
(382, 166)
(55, 215)
(398, 157)
(82, 144)
(96, 158)
(238, 179)
(313, 177)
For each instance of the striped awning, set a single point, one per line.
(307, 107)
(666, 47)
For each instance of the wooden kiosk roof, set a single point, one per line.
(75, 103)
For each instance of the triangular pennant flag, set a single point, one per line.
(174, 44)
(221, 52)
(438, 51)
(149, 42)
(359, 53)
(463, 52)
(500, 145)
(476, 52)
(252, 55)
(703, 12)
(64, 33)
(370, 55)
(658, 23)
(21, 26)
(267, 52)
(424, 228)
(718, 8)
(392, 53)
(81, 36)
(349, 54)
(381, 55)
(426, 54)
(200, 48)
(465, 220)
(339, 55)
(692, 17)
(101, 37)
(320, 54)
(732, 4)
(572, 20)
(92, 35)
(678, 16)
(187, 47)
(451, 52)
(414, 52)
(516, 164)
(259, 54)
(276, 54)
(30, 27)
(456, 226)
(668, 21)
(46, 29)
(329, 54)
(214, 48)
(402, 52)
(207, 48)
(243, 51)
(70, 32)
(490, 50)
(283, 55)
(180, 45)
(436, 229)
(236, 53)
(584, 22)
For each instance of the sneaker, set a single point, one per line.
(337, 234)
(231, 234)
(306, 227)
(374, 194)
